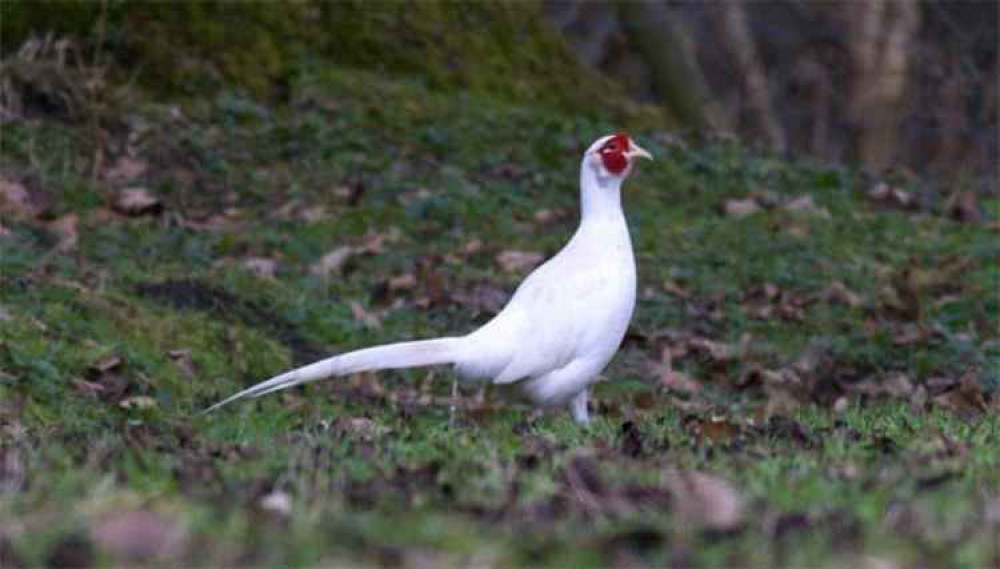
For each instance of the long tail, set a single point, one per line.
(390, 356)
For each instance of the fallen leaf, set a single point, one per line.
(964, 206)
(838, 292)
(65, 231)
(706, 500)
(472, 247)
(365, 317)
(15, 200)
(671, 379)
(136, 201)
(261, 266)
(184, 362)
(137, 402)
(277, 503)
(805, 204)
(513, 261)
(104, 365)
(362, 427)
(676, 289)
(718, 351)
(333, 262)
(406, 281)
(718, 430)
(966, 398)
(890, 195)
(741, 208)
(125, 170)
(138, 536)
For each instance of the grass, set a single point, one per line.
(109, 348)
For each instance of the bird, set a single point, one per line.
(559, 330)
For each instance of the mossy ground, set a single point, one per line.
(109, 348)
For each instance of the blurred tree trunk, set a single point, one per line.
(881, 35)
(678, 83)
(738, 39)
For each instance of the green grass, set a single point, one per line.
(828, 476)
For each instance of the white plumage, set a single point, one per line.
(563, 324)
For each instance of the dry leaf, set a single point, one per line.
(65, 231)
(671, 379)
(406, 281)
(884, 193)
(333, 262)
(137, 402)
(136, 201)
(138, 536)
(362, 427)
(706, 500)
(513, 261)
(805, 204)
(182, 359)
(741, 208)
(277, 503)
(718, 351)
(472, 247)
(364, 316)
(675, 289)
(964, 206)
(838, 292)
(125, 170)
(15, 200)
(261, 266)
(718, 430)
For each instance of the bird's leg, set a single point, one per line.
(578, 406)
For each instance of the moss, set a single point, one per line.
(501, 49)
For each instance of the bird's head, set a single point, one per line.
(613, 156)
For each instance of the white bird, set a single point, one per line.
(562, 326)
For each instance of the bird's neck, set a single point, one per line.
(600, 197)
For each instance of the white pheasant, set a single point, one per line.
(563, 324)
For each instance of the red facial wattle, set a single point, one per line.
(613, 154)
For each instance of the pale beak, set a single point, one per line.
(636, 150)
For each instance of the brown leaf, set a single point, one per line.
(333, 262)
(805, 204)
(105, 364)
(741, 208)
(718, 351)
(718, 430)
(136, 201)
(706, 500)
(472, 247)
(261, 266)
(513, 261)
(15, 200)
(407, 281)
(277, 503)
(671, 379)
(964, 206)
(125, 170)
(365, 317)
(65, 231)
(362, 427)
(889, 195)
(138, 536)
(182, 359)
(676, 289)
(838, 292)
(137, 402)
(967, 398)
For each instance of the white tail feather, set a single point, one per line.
(390, 356)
